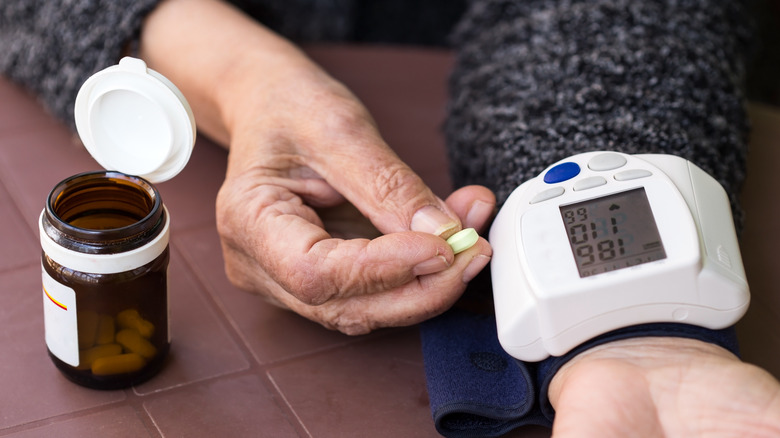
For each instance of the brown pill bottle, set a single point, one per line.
(104, 234)
(105, 258)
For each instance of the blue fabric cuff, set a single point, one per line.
(477, 390)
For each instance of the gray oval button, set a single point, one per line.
(627, 175)
(606, 161)
(547, 194)
(589, 183)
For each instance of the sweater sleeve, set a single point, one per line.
(52, 46)
(539, 80)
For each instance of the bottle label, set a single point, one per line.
(61, 323)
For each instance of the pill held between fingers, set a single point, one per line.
(463, 240)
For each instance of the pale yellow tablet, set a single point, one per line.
(463, 240)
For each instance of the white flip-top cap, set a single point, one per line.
(134, 120)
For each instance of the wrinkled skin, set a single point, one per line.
(663, 387)
(280, 190)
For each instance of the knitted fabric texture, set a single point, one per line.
(53, 46)
(535, 81)
(539, 80)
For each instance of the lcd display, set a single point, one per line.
(612, 232)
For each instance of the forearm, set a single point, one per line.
(653, 387)
(220, 59)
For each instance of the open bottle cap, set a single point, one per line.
(134, 120)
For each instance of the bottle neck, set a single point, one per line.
(103, 213)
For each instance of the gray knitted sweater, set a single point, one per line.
(535, 80)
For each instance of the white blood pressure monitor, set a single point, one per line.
(604, 240)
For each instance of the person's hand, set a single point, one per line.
(308, 144)
(663, 387)
(303, 152)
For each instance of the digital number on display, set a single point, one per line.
(612, 232)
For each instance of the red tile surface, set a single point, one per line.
(32, 162)
(20, 244)
(119, 422)
(233, 406)
(239, 366)
(20, 112)
(375, 388)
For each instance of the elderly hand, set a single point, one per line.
(308, 144)
(301, 145)
(663, 387)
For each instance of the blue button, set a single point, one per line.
(562, 172)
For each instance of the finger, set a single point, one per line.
(322, 270)
(474, 205)
(415, 301)
(396, 199)
(314, 190)
(349, 153)
(291, 245)
(310, 186)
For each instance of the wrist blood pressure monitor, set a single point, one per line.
(605, 240)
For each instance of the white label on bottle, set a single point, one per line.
(60, 321)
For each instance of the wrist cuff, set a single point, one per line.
(474, 387)
(477, 389)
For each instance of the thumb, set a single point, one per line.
(396, 199)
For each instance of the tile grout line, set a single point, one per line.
(64, 417)
(288, 405)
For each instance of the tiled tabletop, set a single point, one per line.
(238, 366)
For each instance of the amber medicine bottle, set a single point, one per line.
(105, 258)
(105, 234)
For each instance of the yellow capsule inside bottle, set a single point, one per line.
(118, 364)
(88, 356)
(131, 319)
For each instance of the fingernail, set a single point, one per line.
(430, 219)
(430, 266)
(477, 264)
(478, 214)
